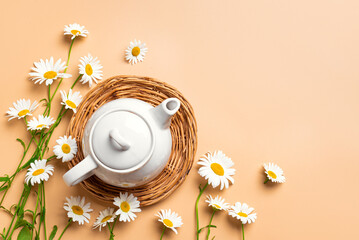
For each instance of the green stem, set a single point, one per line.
(210, 223)
(114, 223)
(67, 64)
(48, 103)
(111, 233)
(35, 212)
(197, 201)
(266, 180)
(41, 199)
(23, 200)
(68, 224)
(14, 216)
(44, 207)
(163, 232)
(243, 231)
(73, 85)
(17, 170)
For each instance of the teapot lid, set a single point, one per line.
(122, 140)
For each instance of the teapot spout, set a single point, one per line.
(163, 112)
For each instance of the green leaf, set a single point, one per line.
(7, 210)
(4, 188)
(21, 223)
(53, 232)
(213, 237)
(13, 207)
(208, 226)
(22, 143)
(3, 233)
(30, 211)
(4, 179)
(42, 216)
(24, 234)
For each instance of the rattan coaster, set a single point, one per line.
(183, 129)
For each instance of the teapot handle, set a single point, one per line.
(80, 172)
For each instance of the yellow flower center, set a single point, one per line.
(50, 74)
(88, 69)
(74, 32)
(272, 174)
(217, 169)
(136, 51)
(242, 214)
(66, 148)
(38, 172)
(168, 223)
(40, 126)
(77, 210)
(216, 206)
(71, 104)
(23, 112)
(125, 207)
(105, 219)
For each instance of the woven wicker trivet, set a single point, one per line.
(183, 129)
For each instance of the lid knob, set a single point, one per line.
(118, 141)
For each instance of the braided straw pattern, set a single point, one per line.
(183, 129)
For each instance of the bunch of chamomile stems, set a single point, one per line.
(32, 222)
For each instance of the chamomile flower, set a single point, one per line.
(90, 67)
(71, 100)
(243, 212)
(40, 123)
(47, 71)
(136, 52)
(66, 148)
(77, 209)
(274, 173)
(38, 172)
(217, 203)
(21, 109)
(216, 168)
(128, 206)
(75, 30)
(169, 219)
(106, 216)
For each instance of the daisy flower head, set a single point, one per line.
(77, 209)
(217, 203)
(216, 168)
(47, 71)
(66, 148)
(75, 30)
(136, 52)
(106, 216)
(243, 212)
(90, 67)
(38, 172)
(274, 173)
(128, 206)
(169, 219)
(71, 100)
(21, 109)
(40, 123)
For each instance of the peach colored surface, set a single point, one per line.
(269, 81)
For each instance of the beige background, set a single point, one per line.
(269, 81)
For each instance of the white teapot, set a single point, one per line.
(127, 143)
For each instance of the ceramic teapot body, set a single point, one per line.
(126, 143)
